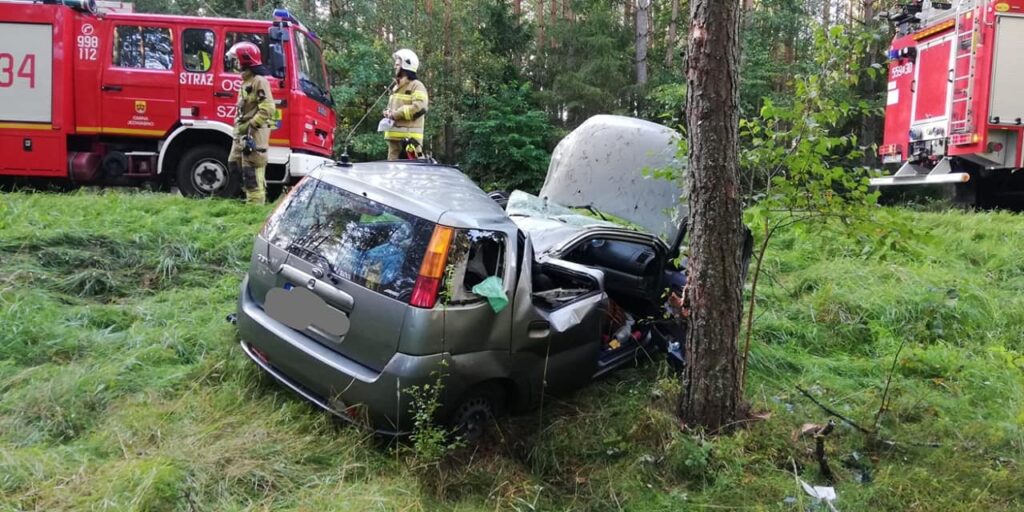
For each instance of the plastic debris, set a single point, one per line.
(494, 290)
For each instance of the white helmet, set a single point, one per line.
(406, 59)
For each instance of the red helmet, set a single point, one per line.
(246, 53)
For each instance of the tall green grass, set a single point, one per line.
(122, 388)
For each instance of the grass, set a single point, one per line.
(122, 388)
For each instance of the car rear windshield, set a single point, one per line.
(352, 237)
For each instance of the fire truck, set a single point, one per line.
(954, 109)
(114, 98)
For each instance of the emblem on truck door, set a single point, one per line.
(140, 107)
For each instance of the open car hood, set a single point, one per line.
(601, 165)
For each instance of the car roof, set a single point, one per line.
(436, 192)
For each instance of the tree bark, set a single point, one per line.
(248, 7)
(673, 28)
(552, 19)
(540, 26)
(517, 7)
(712, 396)
(643, 9)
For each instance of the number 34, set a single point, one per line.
(26, 70)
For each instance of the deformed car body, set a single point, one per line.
(363, 281)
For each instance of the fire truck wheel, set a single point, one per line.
(203, 172)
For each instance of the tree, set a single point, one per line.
(643, 9)
(712, 396)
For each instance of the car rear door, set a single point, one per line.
(358, 257)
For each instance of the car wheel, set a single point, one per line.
(204, 172)
(476, 414)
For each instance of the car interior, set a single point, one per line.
(633, 274)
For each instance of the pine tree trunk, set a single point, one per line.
(517, 7)
(712, 397)
(673, 27)
(248, 7)
(643, 9)
(540, 25)
(552, 18)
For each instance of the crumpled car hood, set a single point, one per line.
(601, 165)
(549, 224)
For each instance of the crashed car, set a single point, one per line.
(373, 279)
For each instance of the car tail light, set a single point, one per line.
(428, 284)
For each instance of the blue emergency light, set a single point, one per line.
(284, 15)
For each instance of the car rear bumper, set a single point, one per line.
(330, 380)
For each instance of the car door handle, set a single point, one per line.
(223, 94)
(324, 289)
(539, 330)
(114, 88)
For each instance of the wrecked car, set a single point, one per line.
(373, 279)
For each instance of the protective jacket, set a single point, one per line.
(408, 105)
(256, 107)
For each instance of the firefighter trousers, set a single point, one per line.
(399, 149)
(252, 167)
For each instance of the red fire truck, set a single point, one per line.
(955, 112)
(127, 99)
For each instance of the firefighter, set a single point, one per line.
(407, 109)
(253, 122)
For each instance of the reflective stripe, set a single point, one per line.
(407, 111)
(403, 97)
(395, 135)
(419, 95)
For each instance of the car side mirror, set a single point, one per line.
(278, 34)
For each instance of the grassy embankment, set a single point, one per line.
(122, 388)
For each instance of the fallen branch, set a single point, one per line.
(885, 394)
(825, 408)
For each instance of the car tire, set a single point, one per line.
(474, 416)
(204, 172)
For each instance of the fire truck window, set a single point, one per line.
(143, 48)
(231, 38)
(197, 50)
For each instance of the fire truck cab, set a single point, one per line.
(128, 99)
(954, 111)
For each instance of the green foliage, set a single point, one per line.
(431, 440)
(142, 400)
(503, 147)
(799, 158)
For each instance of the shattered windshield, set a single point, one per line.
(522, 204)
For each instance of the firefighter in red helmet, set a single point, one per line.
(253, 122)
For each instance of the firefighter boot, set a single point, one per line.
(254, 184)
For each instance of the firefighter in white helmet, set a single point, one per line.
(407, 109)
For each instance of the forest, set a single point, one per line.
(508, 79)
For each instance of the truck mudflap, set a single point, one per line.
(915, 174)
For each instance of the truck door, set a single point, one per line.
(932, 88)
(228, 81)
(198, 51)
(139, 90)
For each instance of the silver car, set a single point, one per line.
(374, 278)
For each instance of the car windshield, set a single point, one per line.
(359, 240)
(312, 77)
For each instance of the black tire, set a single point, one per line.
(204, 172)
(476, 414)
